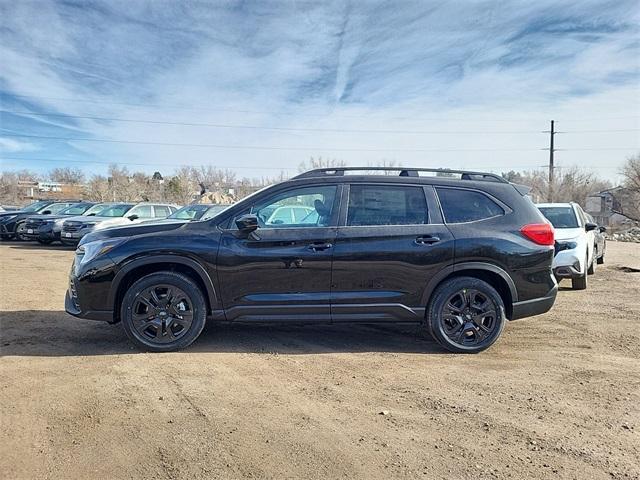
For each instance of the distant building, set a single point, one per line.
(611, 207)
(31, 190)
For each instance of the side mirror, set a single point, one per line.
(602, 229)
(91, 215)
(590, 226)
(46, 212)
(133, 217)
(247, 224)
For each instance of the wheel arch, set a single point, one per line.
(492, 274)
(141, 267)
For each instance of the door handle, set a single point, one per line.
(318, 247)
(427, 240)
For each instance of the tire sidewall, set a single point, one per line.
(442, 294)
(166, 278)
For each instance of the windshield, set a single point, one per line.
(34, 207)
(115, 210)
(78, 209)
(213, 211)
(190, 212)
(560, 217)
(97, 208)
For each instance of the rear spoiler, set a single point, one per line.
(522, 189)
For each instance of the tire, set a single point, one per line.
(580, 283)
(600, 259)
(44, 242)
(592, 267)
(155, 326)
(19, 235)
(465, 315)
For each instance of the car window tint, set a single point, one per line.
(302, 207)
(386, 205)
(57, 207)
(143, 211)
(75, 210)
(461, 206)
(162, 211)
(560, 217)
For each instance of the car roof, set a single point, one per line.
(547, 205)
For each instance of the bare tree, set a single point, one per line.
(68, 175)
(631, 173)
(320, 163)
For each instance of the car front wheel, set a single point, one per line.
(163, 312)
(466, 315)
(21, 231)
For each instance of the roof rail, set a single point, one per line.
(404, 172)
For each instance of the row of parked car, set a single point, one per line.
(580, 243)
(48, 221)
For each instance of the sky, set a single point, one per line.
(259, 87)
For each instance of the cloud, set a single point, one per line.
(412, 65)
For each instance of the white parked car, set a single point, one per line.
(116, 215)
(575, 242)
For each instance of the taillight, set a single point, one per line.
(540, 233)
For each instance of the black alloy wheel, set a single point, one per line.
(21, 231)
(163, 312)
(466, 315)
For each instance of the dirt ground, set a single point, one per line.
(557, 397)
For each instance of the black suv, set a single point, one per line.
(459, 255)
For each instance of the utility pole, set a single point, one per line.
(551, 133)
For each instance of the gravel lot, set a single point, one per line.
(557, 397)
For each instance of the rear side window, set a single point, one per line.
(386, 205)
(460, 206)
(162, 211)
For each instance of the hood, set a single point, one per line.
(16, 212)
(131, 230)
(44, 218)
(567, 233)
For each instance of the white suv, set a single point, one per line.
(575, 242)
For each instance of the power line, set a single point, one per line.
(259, 147)
(257, 127)
(297, 113)
(154, 164)
(295, 129)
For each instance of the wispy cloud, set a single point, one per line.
(460, 66)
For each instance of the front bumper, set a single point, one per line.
(88, 289)
(536, 306)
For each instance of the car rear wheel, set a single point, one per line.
(580, 283)
(466, 315)
(600, 259)
(163, 312)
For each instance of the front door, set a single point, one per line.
(391, 242)
(282, 271)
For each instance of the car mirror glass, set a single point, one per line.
(133, 217)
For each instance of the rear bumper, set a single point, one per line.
(536, 306)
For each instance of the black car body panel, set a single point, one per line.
(130, 230)
(331, 273)
(9, 221)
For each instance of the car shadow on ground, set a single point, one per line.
(36, 246)
(55, 333)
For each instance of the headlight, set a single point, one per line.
(92, 250)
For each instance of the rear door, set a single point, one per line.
(390, 243)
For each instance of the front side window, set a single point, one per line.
(461, 206)
(298, 208)
(143, 211)
(560, 217)
(386, 205)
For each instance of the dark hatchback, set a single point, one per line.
(459, 255)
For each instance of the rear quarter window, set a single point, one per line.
(461, 206)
